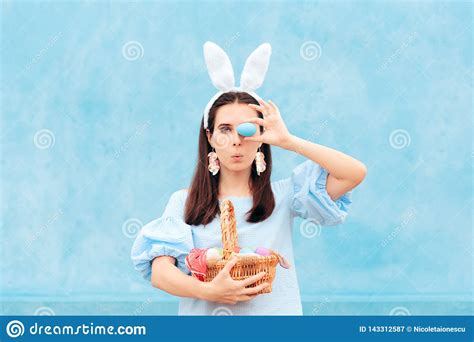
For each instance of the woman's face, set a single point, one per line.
(227, 142)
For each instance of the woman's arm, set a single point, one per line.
(167, 277)
(345, 172)
(222, 289)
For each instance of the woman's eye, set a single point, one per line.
(225, 129)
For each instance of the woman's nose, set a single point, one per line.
(237, 138)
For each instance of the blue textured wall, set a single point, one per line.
(101, 105)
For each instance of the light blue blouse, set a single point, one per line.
(303, 194)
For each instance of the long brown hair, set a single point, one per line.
(202, 203)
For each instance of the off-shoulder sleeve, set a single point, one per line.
(311, 199)
(166, 235)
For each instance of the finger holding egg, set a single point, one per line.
(275, 131)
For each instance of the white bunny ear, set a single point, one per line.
(219, 66)
(256, 67)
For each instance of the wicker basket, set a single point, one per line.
(246, 266)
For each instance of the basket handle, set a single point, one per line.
(229, 228)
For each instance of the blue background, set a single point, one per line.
(96, 138)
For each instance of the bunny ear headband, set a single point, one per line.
(222, 75)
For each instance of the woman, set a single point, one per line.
(319, 189)
(231, 166)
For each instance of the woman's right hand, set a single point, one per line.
(224, 289)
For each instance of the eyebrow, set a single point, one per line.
(224, 124)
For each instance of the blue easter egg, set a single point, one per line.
(247, 129)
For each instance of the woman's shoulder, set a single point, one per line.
(302, 172)
(176, 203)
(179, 195)
(281, 187)
(182, 191)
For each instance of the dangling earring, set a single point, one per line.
(214, 165)
(260, 162)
